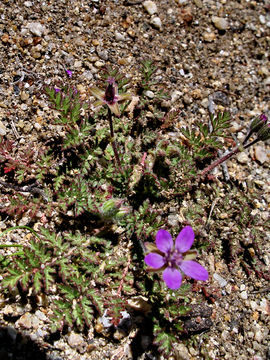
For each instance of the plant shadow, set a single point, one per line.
(15, 345)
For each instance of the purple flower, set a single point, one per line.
(110, 96)
(264, 118)
(174, 259)
(69, 73)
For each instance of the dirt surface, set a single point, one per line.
(204, 50)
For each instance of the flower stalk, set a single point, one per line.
(258, 126)
(111, 99)
(113, 140)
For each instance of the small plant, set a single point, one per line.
(107, 180)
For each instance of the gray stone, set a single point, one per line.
(260, 154)
(222, 282)
(75, 340)
(119, 36)
(173, 220)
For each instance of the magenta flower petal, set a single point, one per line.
(154, 260)
(194, 270)
(172, 278)
(69, 73)
(164, 241)
(185, 239)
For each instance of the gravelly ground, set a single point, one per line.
(200, 47)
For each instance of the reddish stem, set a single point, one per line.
(113, 141)
(219, 161)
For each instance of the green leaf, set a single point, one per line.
(164, 340)
(87, 310)
(12, 280)
(37, 282)
(48, 278)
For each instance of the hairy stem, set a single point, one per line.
(113, 141)
(219, 161)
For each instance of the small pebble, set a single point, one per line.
(243, 295)
(173, 220)
(242, 158)
(36, 28)
(77, 64)
(262, 19)
(176, 94)
(119, 36)
(3, 129)
(209, 37)
(222, 282)
(24, 107)
(37, 126)
(25, 321)
(40, 315)
(220, 23)
(260, 154)
(150, 7)
(150, 94)
(182, 352)
(75, 340)
(156, 22)
(258, 336)
(181, 2)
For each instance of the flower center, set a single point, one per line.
(174, 258)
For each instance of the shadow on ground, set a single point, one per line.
(17, 346)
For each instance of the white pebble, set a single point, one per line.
(37, 126)
(150, 7)
(262, 19)
(243, 295)
(150, 94)
(36, 28)
(242, 287)
(156, 22)
(119, 36)
(24, 107)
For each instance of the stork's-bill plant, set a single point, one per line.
(108, 185)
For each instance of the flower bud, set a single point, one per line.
(110, 94)
(258, 123)
(264, 133)
(111, 206)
